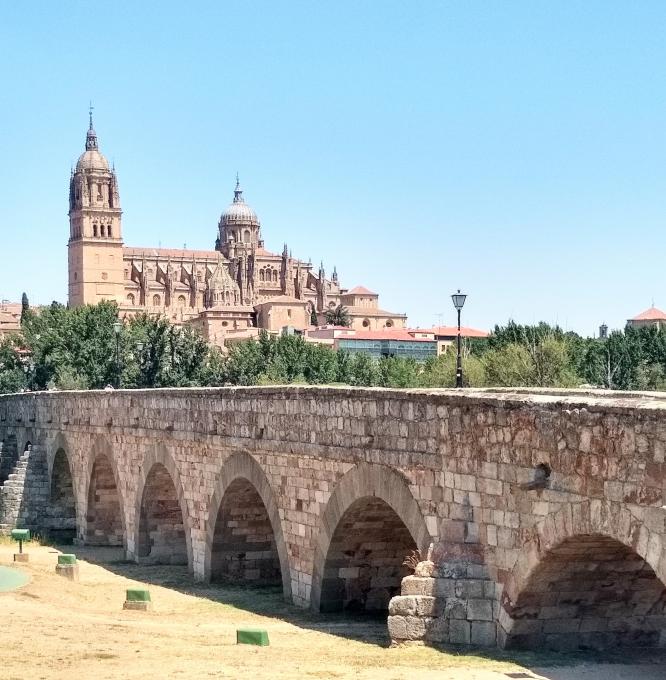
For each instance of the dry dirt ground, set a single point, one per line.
(52, 628)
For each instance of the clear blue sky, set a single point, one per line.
(515, 150)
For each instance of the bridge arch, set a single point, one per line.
(105, 521)
(590, 578)
(61, 510)
(243, 518)
(162, 532)
(371, 522)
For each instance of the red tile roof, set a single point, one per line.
(652, 314)
(359, 290)
(385, 334)
(452, 331)
(173, 253)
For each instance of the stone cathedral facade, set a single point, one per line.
(231, 291)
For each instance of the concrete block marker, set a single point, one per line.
(252, 636)
(21, 535)
(68, 567)
(138, 599)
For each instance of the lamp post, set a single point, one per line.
(117, 327)
(458, 302)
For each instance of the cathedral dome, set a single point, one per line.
(92, 160)
(239, 212)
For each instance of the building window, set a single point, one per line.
(181, 300)
(289, 313)
(76, 276)
(95, 234)
(127, 273)
(275, 275)
(225, 323)
(130, 299)
(102, 230)
(389, 324)
(246, 236)
(262, 275)
(105, 276)
(108, 231)
(366, 323)
(156, 300)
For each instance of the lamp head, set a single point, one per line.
(458, 299)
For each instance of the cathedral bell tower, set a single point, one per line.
(95, 237)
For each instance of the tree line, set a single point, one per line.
(62, 348)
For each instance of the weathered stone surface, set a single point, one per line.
(327, 490)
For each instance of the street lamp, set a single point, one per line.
(117, 327)
(458, 302)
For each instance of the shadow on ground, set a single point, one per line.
(269, 602)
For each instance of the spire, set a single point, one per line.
(238, 192)
(91, 136)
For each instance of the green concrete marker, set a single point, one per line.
(138, 599)
(252, 636)
(21, 535)
(66, 559)
(137, 595)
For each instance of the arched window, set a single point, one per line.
(126, 273)
(95, 233)
(108, 231)
(275, 275)
(246, 236)
(181, 300)
(262, 275)
(130, 299)
(102, 230)
(156, 300)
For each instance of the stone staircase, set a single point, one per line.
(24, 495)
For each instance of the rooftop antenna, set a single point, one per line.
(440, 316)
(90, 111)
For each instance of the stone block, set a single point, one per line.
(425, 569)
(459, 632)
(68, 571)
(484, 633)
(397, 627)
(479, 610)
(403, 605)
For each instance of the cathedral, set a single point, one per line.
(229, 292)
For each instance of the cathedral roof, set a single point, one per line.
(221, 279)
(239, 212)
(651, 314)
(91, 158)
(359, 290)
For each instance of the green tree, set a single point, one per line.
(441, 371)
(338, 316)
(78, 344)
(25, 308)
(12, 374)
(397, 372)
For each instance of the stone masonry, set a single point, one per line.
(539, 517)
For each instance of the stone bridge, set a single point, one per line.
(538, 517)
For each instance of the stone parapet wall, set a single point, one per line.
(486, 483)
